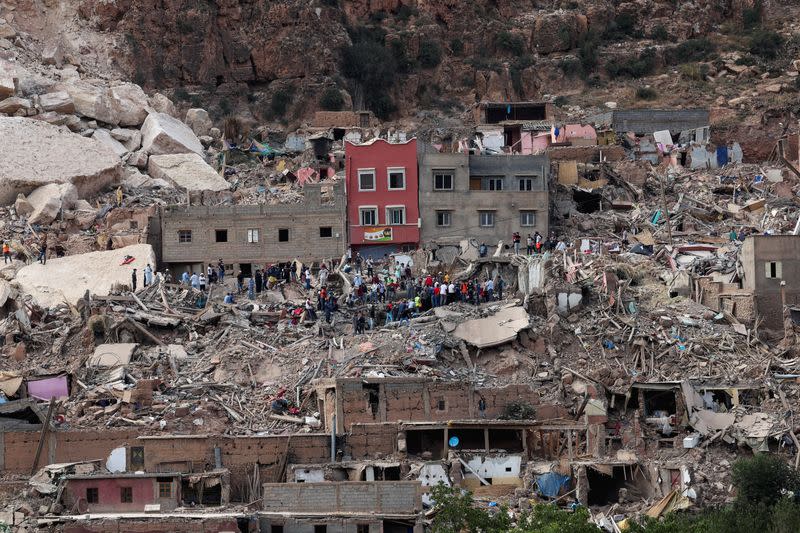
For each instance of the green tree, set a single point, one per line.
(762, 479)
(332, 99)
(430, 53)
(456, 513)
(766, 44)
(548, 518)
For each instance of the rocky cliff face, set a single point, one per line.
(446, 54)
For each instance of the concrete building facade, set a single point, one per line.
(382, 202)
(486, 197)
(249, 236)
(768, 260)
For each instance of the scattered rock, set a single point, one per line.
(53, 55)
(22, 206)
(6, 31)
(215, 133)
(138, 159)
(9, 106)
(199, 121)
(7, 75)
(130, 103)
(187, 171)
(59, 101)
(132, 139)
(104, 136)
(163, 134)
(124, 104)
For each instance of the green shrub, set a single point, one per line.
(367, 34)
(404, 63)
(690, 51)
(457, 46)
(693, 71)
(382, 105)
(752, 16)
(646, 93)
(747, 61)
(659, 33)
(571, 66)
(638, 67)
(765, 43)
(561, 101)
(518, 410)
(622, 27)
(372, 67)
(430, 53)
(332, 99)
(510, 42)
(515, 72)
(280, 101)
(405, 12)
(181, 93)
(588, 53)
(484, 63)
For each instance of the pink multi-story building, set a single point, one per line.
(382, 197)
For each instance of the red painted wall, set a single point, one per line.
(382, 155)
(109, 494)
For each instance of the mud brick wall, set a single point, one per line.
(165, 455)
(240, 454)
(18, 448)
(371, 440)
(406, 401)
(586, 154)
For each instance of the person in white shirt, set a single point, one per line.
(443, 294)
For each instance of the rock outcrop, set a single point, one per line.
(47, 201)
(34, 153)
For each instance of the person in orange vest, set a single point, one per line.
(6, 252)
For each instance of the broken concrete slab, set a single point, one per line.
(67, 278)
(112, 355)
(500, 328)
(58, 101)
(104, 136)
(163, 134)
(48, 200)
(34, 153)
(7, 76)
(187, 171)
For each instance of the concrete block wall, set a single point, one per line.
(371, 440)
(306, 525)
(586, 154)
(153, 525)
(381, 497)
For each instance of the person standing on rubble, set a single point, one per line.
(148, 275)
(537, 242)
(489, 290)
(330, 307)
(323, 275)
(251, 288)
(310, 313)
(167, 276)
(194, 281)
(43, 249)
(6, 252)
(203, 282)
(500, 284)
(239, 282)
(221, 270)
(259, 281)
(529, 244)
(482, 406)
(483, 250)
(561, 246)
(443, 293)
(516, 239)
(133, 280)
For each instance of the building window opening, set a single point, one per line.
(527, 218)
(586, 202)
(603, 488)
(126, 494)
(275, 528)
(373, 398)
(397, 179)
(185, 236)
(321, 529)
(325, 232)
(252, 236)
(773, 269)
(362, 528)
(164, 487)
(92, 495)
(283, 235)
(443, 218)
(425, 440)
(443, 180)
(508, 440)
(486, 219)
(221, 235)
(659, 403)
(369, 216)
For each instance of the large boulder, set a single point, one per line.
(199, 121)
(187, 171)
(59, 101)
(561, 31)
(48, 200)
(162, 104)
(68, 278)
(123, 104)
(163, 134)
(130, 102)
(34, 153)
(104, 136)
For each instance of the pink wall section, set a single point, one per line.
(382, 155)
(109, 493)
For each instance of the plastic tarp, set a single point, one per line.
(550, 484)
